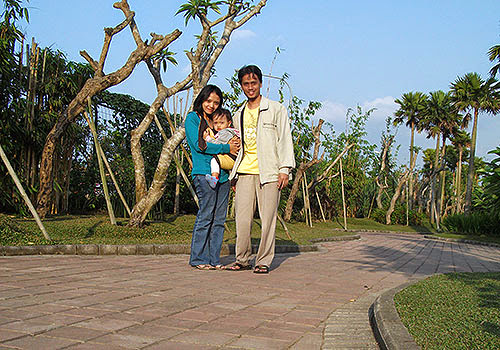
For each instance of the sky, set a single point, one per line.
(340, 53)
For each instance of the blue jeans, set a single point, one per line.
(208, 230)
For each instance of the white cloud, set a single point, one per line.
(332, 111)
(242, 34)
(384, 106)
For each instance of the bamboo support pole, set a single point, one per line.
(280, 219)
(104, 181)
(304, 195)
(308, 201)
(112, 175)
(23, 193)
(320, 206)
(343, 195)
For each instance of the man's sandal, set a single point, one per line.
(204, 267)
(261, 269)
(238, 267)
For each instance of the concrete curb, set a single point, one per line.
(459, 240)
(362, 230)
(149, 249)
(387, 327)
(336, 239)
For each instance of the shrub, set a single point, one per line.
(479, 223)
(398, 217)
(378, 215)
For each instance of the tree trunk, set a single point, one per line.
(395, 197)
(459, 180)
(410, 180)
(433, 181)
(157, 188)
(470, 174)
(293, 192)
(316, 131)
(381, 187)
(397, 192)
(440, 194)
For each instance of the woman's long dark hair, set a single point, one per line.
(203, 96)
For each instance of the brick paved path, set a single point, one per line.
(159, 302)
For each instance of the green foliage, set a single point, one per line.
(29, 115)
(476, 223)
(491, 182)
(494, 54)
(398, 217)
(471, 93)
(452, 311)
(411, 108)
(357, 164)
(198, 8)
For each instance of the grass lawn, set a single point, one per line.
(174, 230)
(453, 311)
(489, 239)
(88, 229)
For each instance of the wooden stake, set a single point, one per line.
(343, 196)
(104, 181)
(320, 206)
(112, 175)
(23, 193)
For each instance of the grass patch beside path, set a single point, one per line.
(174, 230)
(482, 238)
(368, 224)
(453, 311)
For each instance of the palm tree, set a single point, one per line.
(439, 121)
(411, 109)
(494, 54)
(473, 94)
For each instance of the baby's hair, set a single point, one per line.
(224, 112)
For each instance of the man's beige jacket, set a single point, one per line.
(274, 141)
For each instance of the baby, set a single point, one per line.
(224, 133)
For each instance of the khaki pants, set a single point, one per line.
(249, 191)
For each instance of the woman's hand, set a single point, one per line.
(234, 145)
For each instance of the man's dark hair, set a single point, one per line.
(250, 69)
(224, 112)
(203, 96)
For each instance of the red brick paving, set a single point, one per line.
(159, 302)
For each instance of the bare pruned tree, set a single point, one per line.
(99, 82)
(203, 59)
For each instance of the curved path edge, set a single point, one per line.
(460, 240)
(388, 329)
(149, 249)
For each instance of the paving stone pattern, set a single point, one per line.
(308, 301)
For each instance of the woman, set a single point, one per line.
(208, 230)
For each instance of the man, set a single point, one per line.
(261, 170)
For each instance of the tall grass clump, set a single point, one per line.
(478, 223)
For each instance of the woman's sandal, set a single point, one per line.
(219, 267)
(237, 267)
(204, 267)
(261, 269)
